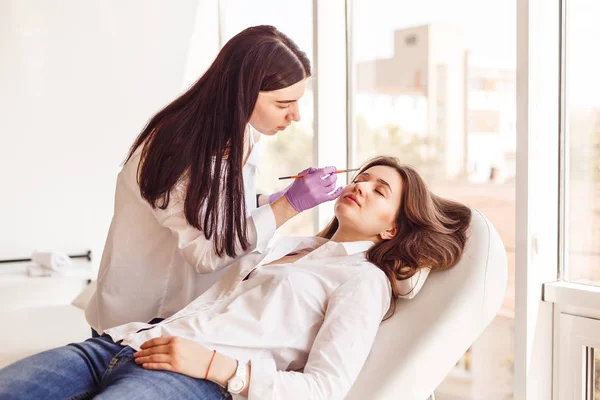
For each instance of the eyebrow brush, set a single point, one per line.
(339, 171)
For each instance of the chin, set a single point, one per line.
(343, 210)
(271, 132)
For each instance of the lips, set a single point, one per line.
(353, 198)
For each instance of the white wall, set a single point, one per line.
(78, 81)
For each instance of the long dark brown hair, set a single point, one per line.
(431, 231)
(198, 139)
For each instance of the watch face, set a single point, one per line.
(236, 384)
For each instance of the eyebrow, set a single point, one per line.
(380, 181)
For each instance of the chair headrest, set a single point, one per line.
(427, 335)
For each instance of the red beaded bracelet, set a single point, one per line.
(210, 363)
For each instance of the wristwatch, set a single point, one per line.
(237, 383)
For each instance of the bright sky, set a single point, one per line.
(583, 57)
(489, 27)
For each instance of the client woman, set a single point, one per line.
(296, 323)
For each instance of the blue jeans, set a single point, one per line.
(101, 369)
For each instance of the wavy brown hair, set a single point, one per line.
(200, 135)
(431, 231)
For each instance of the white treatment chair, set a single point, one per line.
(417, 347)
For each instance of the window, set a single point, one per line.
(579, 360)
(291, 151)
(436, 87)
(582, 130)
(411, 40)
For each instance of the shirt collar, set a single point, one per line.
(326, 247)
(253, 157)
(346, 248)
(357, 247)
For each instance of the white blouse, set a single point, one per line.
(154, 263)
(306, 327)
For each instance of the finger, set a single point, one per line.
(328, 170)
(158, 366)
(315, 171)
(329, 180)
(336, 194)
(156, 342)
(307, 171)
(162, 349)
(328, 189)
(154, 358)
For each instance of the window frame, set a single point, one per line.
(331, 94)
(537, 215)
(576, 306)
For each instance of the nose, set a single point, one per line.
(294, 114)
(358, 188)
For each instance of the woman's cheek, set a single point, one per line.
(385, 215)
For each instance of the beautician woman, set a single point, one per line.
(185, 202)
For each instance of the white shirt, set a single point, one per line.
(319, 314)
(154, 263)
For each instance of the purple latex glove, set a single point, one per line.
(277, 195)
(312, 190)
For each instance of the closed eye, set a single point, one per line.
(376, 190)
(283, 104)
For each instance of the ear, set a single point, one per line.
(389, 233)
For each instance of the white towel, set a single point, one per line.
(35, 271)
(48, 263)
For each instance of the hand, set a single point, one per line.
(313, 189)
(174, 354)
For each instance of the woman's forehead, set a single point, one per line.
(384, 172)
(290, 93)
